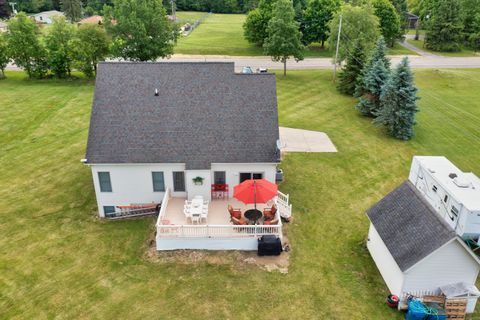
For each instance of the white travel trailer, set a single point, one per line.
(454, 194)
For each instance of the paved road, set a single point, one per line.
(324, 63)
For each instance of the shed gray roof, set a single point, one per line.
(409, 226)
(204, 113)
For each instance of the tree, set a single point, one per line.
(24, 46)
(399, 103)
(316, 20)
(59, 46)
(359, 23)
(4, 56)
(370, 81)
(91, 46)
(352, 71)
(140, 31)
(469, 10)
(402, 9)
(72, 9)
(444, 30)
(284, 37)
(4, 9)
(474, 37)
(389, 20)
(255, 26)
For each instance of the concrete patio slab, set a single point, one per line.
(299, 140)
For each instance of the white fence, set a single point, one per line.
(163, 209)
(284, 208)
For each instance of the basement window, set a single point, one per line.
(109, 211)
(445, 199)
(434, 188)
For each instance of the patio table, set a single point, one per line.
(196, 208)
(253, 215)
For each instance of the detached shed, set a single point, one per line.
(414, 249)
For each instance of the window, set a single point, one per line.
(219, 177)
(109, 211)
(454, 211)
(445, 199)
(178, 181)
(248, 175)
(105, 183)
(158, 181)
(434, 188)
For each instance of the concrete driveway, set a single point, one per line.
(299, 140)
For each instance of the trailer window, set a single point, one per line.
(454, 211)
(434, 188)
(445, 199)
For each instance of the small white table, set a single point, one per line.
(197, 209)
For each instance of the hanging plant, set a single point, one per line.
(198, 181)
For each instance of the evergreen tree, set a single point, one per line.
(4, 56)
(398, 103)
(389, 20)
(59, 46)
(444, 30)
(72, 9)
(373, 81)
(352, 70)
(316, 20)
(141, 31)
(24, 46)
(380, 52)
(284, 37)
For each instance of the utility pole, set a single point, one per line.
(338, 46)
(174, 14)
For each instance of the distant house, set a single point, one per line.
(3, 26)
(46, 16)
(92, 20)
(416, 251)
(412, 20)
(170, 132)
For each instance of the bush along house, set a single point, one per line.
(175, 139)
(422, 234)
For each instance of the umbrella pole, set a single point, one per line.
(255, 194)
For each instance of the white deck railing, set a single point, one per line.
(222, 231)
(163, 208)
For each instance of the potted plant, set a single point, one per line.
(198, 181)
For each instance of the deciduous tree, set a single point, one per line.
(284, 37)
(4, 9)
(359, 23)
(389, 20)
(72, 9)
(24, 46)
(91, 46)
(4, 55)
(316, 20)
(398, 103)
(255, 26)
(140, 30)
(60, 47)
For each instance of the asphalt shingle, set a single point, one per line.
(409, 226)
(204, 113)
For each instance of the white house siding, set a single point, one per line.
(233, 171)
(198, 190)
(391, 273)
(449, 264)
(132, 183)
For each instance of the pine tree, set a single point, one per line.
(398, 103)
(72, 9)
(365, 87)
(352, 70)
(444, 30)
(284, 37)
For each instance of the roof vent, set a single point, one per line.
(461, 182)
(156, 92)
(452, 175)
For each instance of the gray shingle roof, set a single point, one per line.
(204, 113)
(409, 226)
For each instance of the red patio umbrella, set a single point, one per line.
(255, 191)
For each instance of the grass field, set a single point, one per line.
(57, 260)
(222, 34)
(465, 52)
(189, 16)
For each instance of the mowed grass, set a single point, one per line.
(464, 52)
(189, 16)
(57, 260)
(222, 34)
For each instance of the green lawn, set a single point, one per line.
(57, 260)
(465, 52)
(189, 16)
(222, 34)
